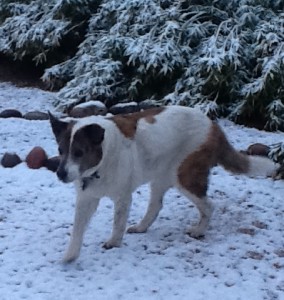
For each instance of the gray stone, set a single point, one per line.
(146, 104)
(90, 108)
(11, 113)
(10, 160)
(36, 115)
(124, 108)
(52, 163)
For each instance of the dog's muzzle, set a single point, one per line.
(63, 175)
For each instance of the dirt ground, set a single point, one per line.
(20, 73)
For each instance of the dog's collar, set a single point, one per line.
(87, 180)
(95, 175)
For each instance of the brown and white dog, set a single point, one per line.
(167, 146)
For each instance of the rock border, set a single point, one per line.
(90, 108)
(35, 159)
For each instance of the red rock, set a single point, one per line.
(258, 149)
(36, 158)
(10, 160)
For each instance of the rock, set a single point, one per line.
(258, 149)
(259, 224)
(124, 108)
(90, 108)
(36, 158)
(10, 113)
(255, 255)
(249, 231)
(10, 160)
(36, 115)
(146, 104)
(52, 163)
(279, 252)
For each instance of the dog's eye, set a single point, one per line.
(78, 153)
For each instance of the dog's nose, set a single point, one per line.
(61, 174)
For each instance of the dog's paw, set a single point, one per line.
(70, 256)
(195, 232)
(136, 229)
(111, 244)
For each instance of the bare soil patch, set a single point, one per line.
(21, 73)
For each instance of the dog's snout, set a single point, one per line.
(62, 174)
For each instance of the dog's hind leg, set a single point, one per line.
(193, 182)
(85, 208)
(158, 189)
(205, 210)
(121, 211)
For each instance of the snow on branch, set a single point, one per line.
(226, 57)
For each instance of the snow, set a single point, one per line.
(91, 103)
(127, 104)
(25, 99)
(241, 256)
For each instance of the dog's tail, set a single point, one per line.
(237, 162)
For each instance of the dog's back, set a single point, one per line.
(174, 136)
(161, 145)
(176, 144)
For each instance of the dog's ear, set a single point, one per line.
(95, 133)
(58, 127)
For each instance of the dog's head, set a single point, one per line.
(79, 146)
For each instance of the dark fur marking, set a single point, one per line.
(88, 140)
(194, 171)
(87, 180)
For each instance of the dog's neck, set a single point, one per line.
(85, 181)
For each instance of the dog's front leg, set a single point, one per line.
(85, 208)
(121, 211)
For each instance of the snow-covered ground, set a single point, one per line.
(241, 256)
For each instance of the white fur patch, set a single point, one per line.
(72, 170)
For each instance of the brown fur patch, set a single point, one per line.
(228, 157)
(127, 123)
(194, 171)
